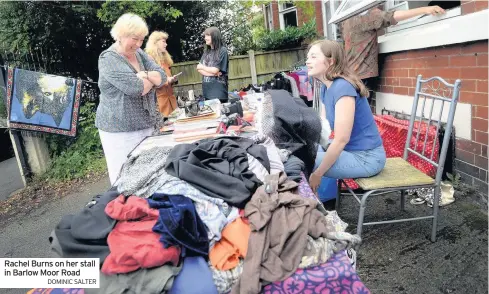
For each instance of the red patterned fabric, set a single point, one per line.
(394, 133)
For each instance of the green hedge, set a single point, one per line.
(289, 38)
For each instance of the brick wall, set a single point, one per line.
(318, 13)
(468, 62)
(301, 18)
(276, 22)
(473, 6)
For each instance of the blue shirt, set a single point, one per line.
(364, 134)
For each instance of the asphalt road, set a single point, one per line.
(10, 179)
(27, 235)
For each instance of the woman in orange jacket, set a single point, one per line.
(156, 48)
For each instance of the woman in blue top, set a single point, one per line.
(356, 150)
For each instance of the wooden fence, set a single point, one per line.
(254, 68)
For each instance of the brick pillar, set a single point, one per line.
(318, 13)
(276, 22)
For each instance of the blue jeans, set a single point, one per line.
(354, 164)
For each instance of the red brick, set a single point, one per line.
(481, 5)
(319, 17)
(463, 60)
(447, 51)
(484, 150)
(387, 73)
(445, 73)
(400, 55)
(480, 111)
(386, 89)
(468, 146)
(473, 98)
(400, 73)
(479, 124)
(276, 22)
(401, 90)
(482, 60)
(407, 82)
(481, 86)
(411, 92)
(476, 73)
(439, 61)
(467, 85)
(476, 47)
(480, 161)
(468, 7)
(392, 81)
(480, 137)
(464, 155)
(435, 52)
(404, 63)
(388, 65)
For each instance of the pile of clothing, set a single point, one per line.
(221, 215)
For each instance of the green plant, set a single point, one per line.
(75, 158)
(455, 180)
(288, 38)
(3, 107)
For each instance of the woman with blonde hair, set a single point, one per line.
(127, 79)
(356, 150)
(156, 48)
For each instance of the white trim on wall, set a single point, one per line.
(403, 104)
(454, 30)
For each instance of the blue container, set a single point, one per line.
(327, 189)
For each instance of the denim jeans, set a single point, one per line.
(354, 164)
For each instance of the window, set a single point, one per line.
(268, 17)
(331, 31)
(349, 8)
(452, 9)
(287, 15)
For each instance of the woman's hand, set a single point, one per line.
(434, 10)
(142, 75)
(170, 80)
(315, 180)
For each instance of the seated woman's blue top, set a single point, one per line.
(364, 134)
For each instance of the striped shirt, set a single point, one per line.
(122, 108)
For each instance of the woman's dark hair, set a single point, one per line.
(217, 42)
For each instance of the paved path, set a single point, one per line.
(10, 179)
(27, 236)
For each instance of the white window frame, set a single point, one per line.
(282, 11)
(418, 20)
(330, 3)
(448, 31)
(341, 14)
(267, 11)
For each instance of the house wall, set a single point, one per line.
(301, 18)
(468, 62)
(465, 61)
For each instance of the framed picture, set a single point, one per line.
(42, 102)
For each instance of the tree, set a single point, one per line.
(66, 37)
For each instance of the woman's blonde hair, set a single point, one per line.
(129, 24)
(153, 51)
(339, 68)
